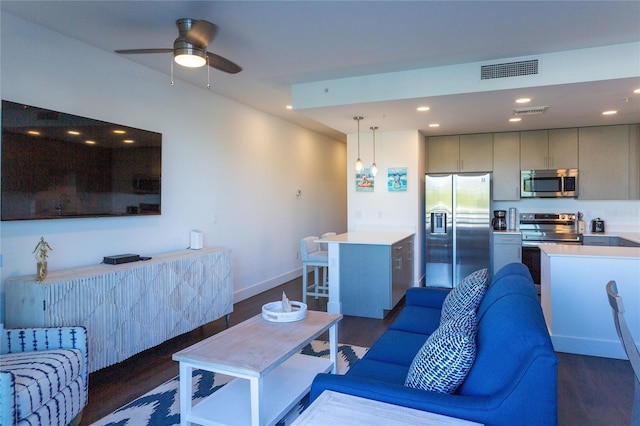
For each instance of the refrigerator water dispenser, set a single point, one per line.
(438, 223)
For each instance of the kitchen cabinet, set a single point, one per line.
(375, 276)
(593, 240)
(609, 161)
(458, 154)
(613, 241)
(549, 149)
(505, 248)
(506, 166)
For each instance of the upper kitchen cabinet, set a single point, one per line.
(506, 167)
(459, 154)
(549, 149)
(609, 163)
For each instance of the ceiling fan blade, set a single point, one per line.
(201, 33)
(131, 51)
(223, 64)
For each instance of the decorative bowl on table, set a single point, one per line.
(274, 312)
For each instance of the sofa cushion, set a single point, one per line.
(40, 375)
(445, 359)
(372, 369)
(396, 347)
(465, 296)
(417, 319)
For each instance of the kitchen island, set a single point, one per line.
(369, 272)
(574, 299)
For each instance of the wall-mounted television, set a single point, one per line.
(56, 165)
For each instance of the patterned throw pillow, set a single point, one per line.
(445, 359)
(465, 296)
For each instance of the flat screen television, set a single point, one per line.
(56, 165)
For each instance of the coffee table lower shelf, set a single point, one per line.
(283, 387)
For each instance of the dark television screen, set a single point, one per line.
(56, 165)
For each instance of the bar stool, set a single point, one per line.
(313, 256)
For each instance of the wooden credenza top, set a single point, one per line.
(64, 275)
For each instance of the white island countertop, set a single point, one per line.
(366, 237)
(589, 251)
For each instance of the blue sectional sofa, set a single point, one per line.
(513, 379)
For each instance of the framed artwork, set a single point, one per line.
(365, 181)
(397, 179)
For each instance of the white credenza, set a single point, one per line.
(130, 307)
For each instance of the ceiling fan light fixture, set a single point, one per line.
(190, 57)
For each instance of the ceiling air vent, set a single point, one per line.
(529, 110)
(510, 69)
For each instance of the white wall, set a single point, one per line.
(382, 209)
(220, 159)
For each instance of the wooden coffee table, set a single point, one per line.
(271, 376)
(334, 408)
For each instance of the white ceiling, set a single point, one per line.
(285, 43)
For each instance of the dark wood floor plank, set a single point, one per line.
(591, 390)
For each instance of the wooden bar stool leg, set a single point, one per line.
(316, 285)
(305, 277)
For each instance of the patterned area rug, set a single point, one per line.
(161, 406)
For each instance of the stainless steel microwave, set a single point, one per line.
(549, 183)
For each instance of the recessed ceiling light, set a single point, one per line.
(128, 141)
(289, 107)
(434, 125)
(515, 119)
(90, 142)
(119, 132)
(423, 108)
(523, 100)
(637, 91)
(73, 132)
(34, 133)
(612, 112)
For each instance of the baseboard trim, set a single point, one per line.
(260, 287)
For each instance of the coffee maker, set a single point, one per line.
(499, 221)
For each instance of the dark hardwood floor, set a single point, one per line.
(591, 390)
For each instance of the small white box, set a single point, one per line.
(197, 240)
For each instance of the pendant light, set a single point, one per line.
(358, 164)
(374, 167)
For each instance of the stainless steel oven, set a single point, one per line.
(545, 228)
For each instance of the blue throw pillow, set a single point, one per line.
(465, 296)
(444, 361)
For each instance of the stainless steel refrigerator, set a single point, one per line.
(458, 227)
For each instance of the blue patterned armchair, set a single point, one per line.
(43, 376)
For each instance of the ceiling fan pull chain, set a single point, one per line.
(208, 81)
(172, 71)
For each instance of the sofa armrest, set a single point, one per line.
(430, 297)
(474, 408)
(7, 402)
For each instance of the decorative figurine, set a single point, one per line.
(286, 305)
(41, 257)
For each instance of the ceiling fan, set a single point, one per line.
(190, 48)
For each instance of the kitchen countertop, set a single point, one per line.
(508, 231)
(593, 251)
(365, 237)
